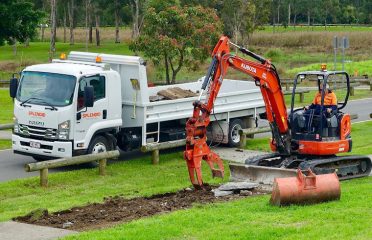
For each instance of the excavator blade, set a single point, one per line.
(258, 174)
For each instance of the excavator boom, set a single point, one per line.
(265, 77)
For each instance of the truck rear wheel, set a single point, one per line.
(234, 137)
(99, 144)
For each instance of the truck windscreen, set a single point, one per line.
(46, 88)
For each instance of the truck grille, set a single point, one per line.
(38, 132)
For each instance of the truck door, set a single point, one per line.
(87, 117)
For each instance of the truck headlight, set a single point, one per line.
(64, 130)
(16, 125)
(65, 125)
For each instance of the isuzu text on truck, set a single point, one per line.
(90, 103)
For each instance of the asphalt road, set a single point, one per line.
(11, 165)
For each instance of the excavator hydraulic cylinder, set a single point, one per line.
(305, 189)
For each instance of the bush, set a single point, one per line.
(274, 53)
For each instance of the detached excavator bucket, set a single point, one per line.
(305, 189)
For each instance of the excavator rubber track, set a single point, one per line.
(265, 168)
(346, 167)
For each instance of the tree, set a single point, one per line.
(178, 36)
(71, 10)
(53, 27)
(18, 21)
(242, 17)
(137, 16)
(117, 20)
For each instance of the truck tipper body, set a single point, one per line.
(90, 102)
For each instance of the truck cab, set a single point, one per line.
(62, 108)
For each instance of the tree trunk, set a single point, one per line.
(27, 42)
(13, 42)
(308, 18)
(135, 16)
(175, 71)
(52, 29)
(90, 33)
(117, 21)
(71, 8)
(166, 68)
(64, 24)
(42, 32)
(98, 38)
(289, 14)
(87, 6)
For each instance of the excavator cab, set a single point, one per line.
(323, 121)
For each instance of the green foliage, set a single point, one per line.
(274, 53)
(18, 21)
(177, 36)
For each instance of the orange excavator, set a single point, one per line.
(300, 140)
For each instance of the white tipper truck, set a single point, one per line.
(88, 103)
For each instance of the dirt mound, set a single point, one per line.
(118, 209)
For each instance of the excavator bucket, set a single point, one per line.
(305, 188)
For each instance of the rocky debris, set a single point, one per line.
(67, 225)
(246, 193)
(233, 186)
(241, 188)
(219, 193)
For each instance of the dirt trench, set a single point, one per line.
(117, 209)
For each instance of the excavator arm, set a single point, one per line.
(265, 76)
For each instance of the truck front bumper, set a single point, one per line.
(56, 149)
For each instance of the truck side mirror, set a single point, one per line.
(13, 87)
(88, 96)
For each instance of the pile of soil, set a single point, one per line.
(118, 209)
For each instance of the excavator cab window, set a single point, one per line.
(321, 116)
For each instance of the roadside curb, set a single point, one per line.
(20, 231)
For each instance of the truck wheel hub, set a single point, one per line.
(235, 133)
(99, 147)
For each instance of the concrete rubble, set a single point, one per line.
(244, 188)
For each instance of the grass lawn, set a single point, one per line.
(305, 28)
(254, 218)
(6, 107)
(362, 67)
(129, 178)
(38, 52)
(5, 144)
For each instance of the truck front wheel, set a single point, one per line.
(99, 144)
